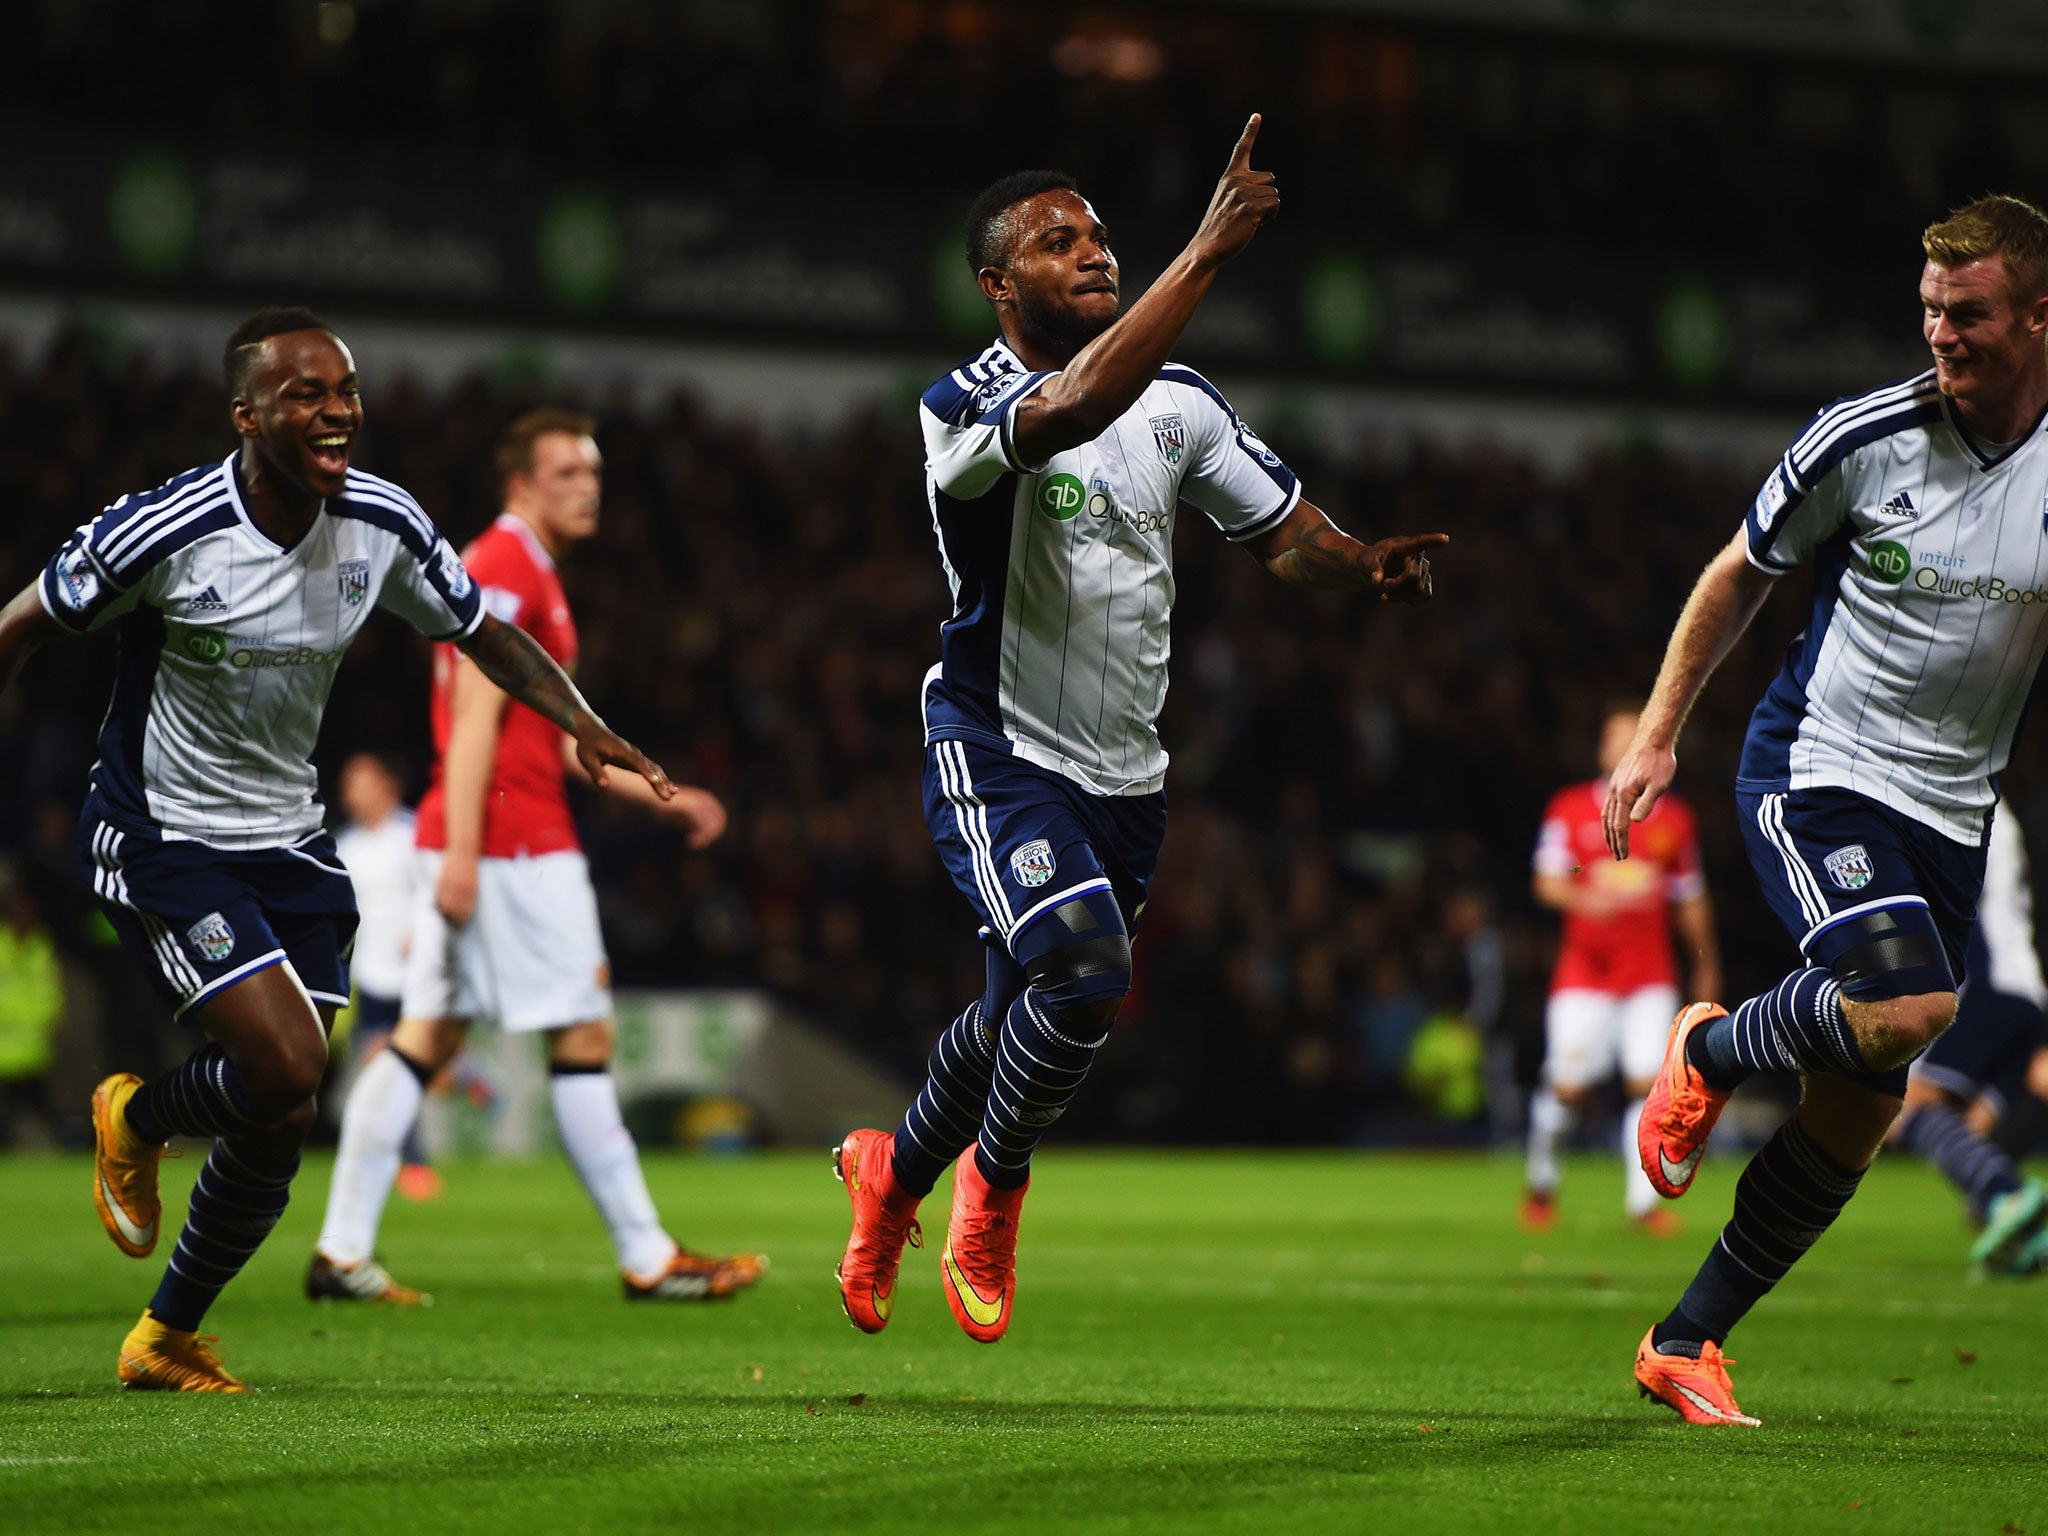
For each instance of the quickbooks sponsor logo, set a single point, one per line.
(299, 656)
(1060, 496)
(1986, 589)
(211, 648)
(1889, 562)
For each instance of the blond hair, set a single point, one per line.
(515, 449)
(1995, 226)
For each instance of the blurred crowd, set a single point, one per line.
(1413, 129)
(1341, 944)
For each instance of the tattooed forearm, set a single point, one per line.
(513, 659)
(1320, 555)
(1308, 550)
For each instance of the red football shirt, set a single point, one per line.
(1629, 945)
(526, 809)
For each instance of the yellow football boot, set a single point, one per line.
(155, 1358)
(124, 1170)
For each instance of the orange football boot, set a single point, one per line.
(692, 1276)
(367, 1281)
(1539, 1210)
(1680, 1111)
(1698, 1389)
(979, 1266)
(124, 1168)
(884, 1219)
(156, 1358)
(1659, 1222)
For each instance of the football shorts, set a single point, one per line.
(530, 957)
(199, 919)
(1587, 1035)
(1020, 840)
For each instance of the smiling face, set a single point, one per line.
(1984, 337)
(301, 409)
(1060, 279)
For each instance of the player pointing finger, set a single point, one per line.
(1245, 199)
(1043, 777)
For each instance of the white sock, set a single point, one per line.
(381, 1109)
(1548, 1121)
(1639, 1197)
(598, 1143)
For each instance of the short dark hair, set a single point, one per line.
(515, 448)
(274, 320)
(988, 227)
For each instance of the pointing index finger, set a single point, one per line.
(1414, 543)
(1241, 157)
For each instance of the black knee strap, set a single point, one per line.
(1890, 952)
(1080, 961)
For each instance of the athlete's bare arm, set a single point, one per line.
(514, 660)
(1105, 378)
(1308, 550)
(1693, 919)
(1724, 600)
(697, 811)
(1561, 893)
(24, 625)
(476, 710)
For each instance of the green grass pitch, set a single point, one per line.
(1203, 1342)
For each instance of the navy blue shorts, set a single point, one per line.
(376, 1014)
(1826, 856)
(1020, 840)
(1992, 1041)
(199, 919)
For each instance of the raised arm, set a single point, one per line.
(514, 660)
(1308, 550)
(1724, 600)
(24, 625)
(1106, 377)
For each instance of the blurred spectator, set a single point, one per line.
(1468, 134)
(31, 1009)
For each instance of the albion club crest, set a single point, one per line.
(212, 937)
(1170, 432)
(1850, 867)
(1033, 864)
(355, 581)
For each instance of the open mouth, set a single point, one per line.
(330, 451)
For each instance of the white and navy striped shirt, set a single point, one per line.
(1062, 572)
(1930, 609)
(229, 644)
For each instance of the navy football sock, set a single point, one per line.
(1978, 1167)
(1790, 1193)
(235, 1203)
(1797, 1026)
(1039, 1067)
(203, 1096)
(946, 1115)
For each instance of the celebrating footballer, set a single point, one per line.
(1056, 461)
